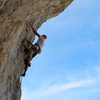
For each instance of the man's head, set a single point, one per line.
(44, 36)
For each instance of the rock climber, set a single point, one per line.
(34, 50)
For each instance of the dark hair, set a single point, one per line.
(44, 36)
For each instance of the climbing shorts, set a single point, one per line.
(33, 51)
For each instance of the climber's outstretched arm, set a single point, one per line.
(35, 31)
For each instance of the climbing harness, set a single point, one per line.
(35, 49)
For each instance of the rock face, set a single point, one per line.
(14, 16)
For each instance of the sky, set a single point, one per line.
(69, 66)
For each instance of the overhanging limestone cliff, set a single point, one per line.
(14, 15)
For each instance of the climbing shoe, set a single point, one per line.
(23, 75)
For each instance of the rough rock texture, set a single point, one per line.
(14, 16)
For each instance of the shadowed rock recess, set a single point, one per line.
(14, 16)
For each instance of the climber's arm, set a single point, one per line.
(35, 31)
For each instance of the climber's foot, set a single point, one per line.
(29, 65)
(23, 75)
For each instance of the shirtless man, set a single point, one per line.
(34, 50)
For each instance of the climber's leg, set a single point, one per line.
(29, 56)
(32, 52)
(27, 62)
(26, 67)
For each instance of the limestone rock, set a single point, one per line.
(14, 16)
